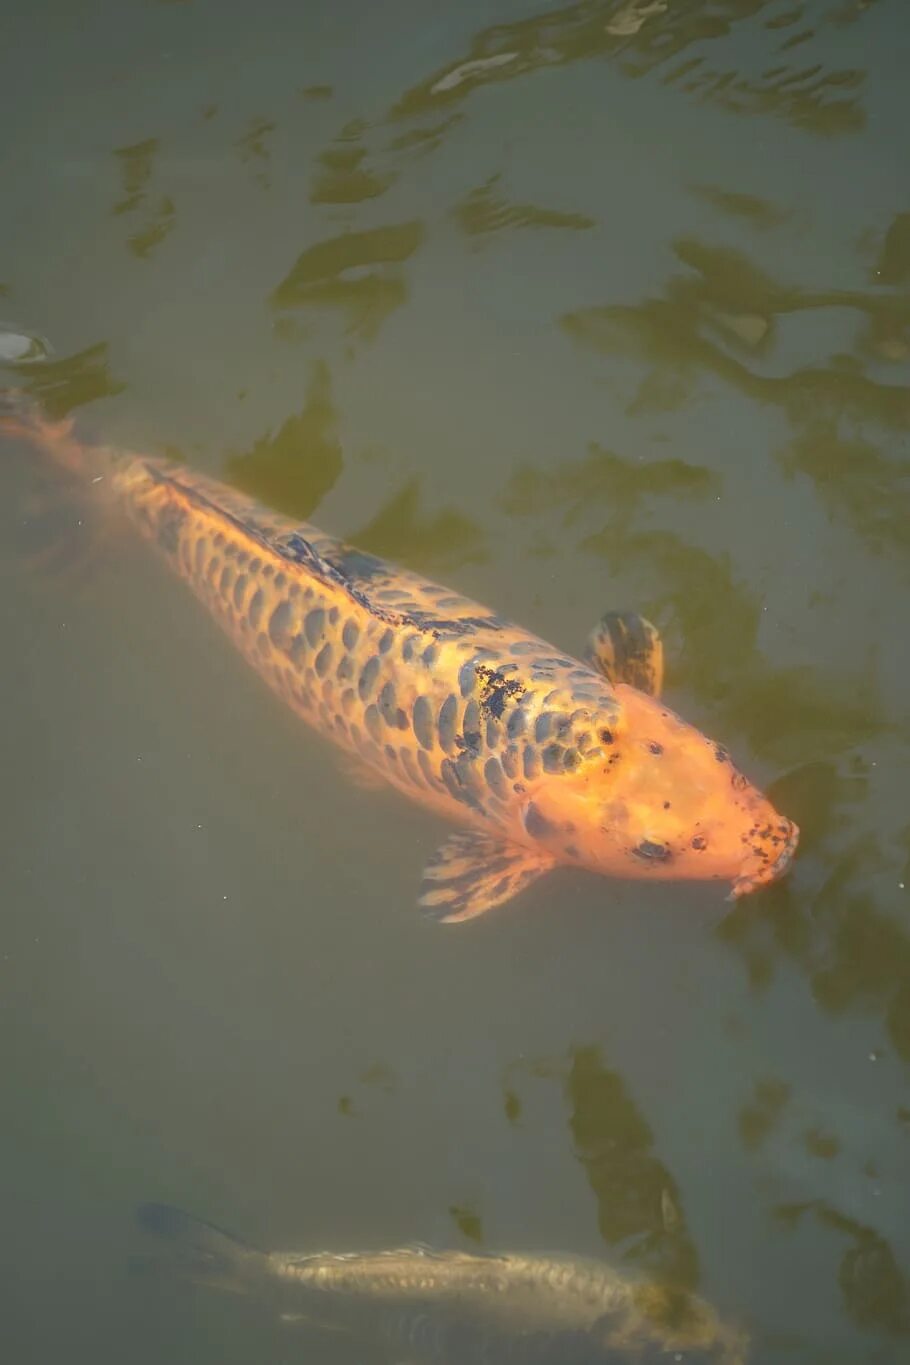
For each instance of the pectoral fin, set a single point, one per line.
(470, 873)
(628, 649)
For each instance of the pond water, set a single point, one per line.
(572, 307)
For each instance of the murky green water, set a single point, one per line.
(605, 304)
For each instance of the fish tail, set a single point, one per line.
(200, 1252)
(21, 418)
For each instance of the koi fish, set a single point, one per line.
(539, 758)
(450, 1307)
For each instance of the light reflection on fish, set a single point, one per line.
(455, 1308)
(543, 759)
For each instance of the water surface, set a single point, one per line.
(572, 307)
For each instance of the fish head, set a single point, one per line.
(661, 800)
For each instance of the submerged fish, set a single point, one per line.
(545, 759)
(453, 1308)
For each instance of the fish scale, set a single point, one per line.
(541, 758)
(407, 700)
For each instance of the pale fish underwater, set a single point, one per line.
(542, 758)
(454, 1308)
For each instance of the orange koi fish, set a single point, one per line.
(540, 758)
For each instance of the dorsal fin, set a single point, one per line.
(291, 545)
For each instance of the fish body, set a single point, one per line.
(454, 1308)
(540, 758)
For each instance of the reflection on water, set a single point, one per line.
(354, 273)
(136, 170)
(252, 149)
(295, 468)
(342, 177)
(857, 482)
(758, 212)
(430, 543)
(70, 382)
(893, 264)
(483, 211)
(876, 1292)
(728, 311)
(646, 36)
(638, 1203)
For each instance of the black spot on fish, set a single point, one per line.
(408, 646)
(652, 852)
(606, 736)
(390, 753)
(516, 723)
(497, 689)
(571, 759)
(572, 851)
(543, 726)
(459, 781)
(537, 824)
(280, 624)
(531, 762)
(267, 570)
(388, 705)
(466, 678)
(323, 661)
(350, 634)
(552, 758)
(666, 805)
(280, 581)
(423, 722)
(720, 753)
(470, 727)
(495, 778)
(373, 721)
(368, 676)
(699, 842)
(655, 748)
(255, 565)
(345, 670)
(738, 781)
(314, 625)
(297, 650)
(386, 640)
(254, 610)
(430, 655)
(226, 579)
(334, 614)
(401, 719)
(445, 725)
(240, 590)
(511, 761)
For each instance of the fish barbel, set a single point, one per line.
(541, 758)
(456, 1308)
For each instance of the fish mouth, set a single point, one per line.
(766, 867)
